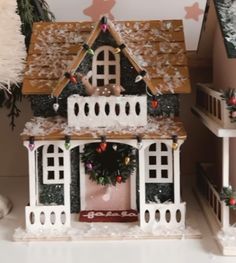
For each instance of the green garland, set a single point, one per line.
(109, 163)
(229, 96)
(228, 195)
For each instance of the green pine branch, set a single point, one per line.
(30, 11)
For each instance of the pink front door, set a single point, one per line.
(98, 197)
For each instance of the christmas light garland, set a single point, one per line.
(109, 163)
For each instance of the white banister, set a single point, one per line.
(104, 111)
(163, 215)
(46, 218)
(213, 199)
(212, 104)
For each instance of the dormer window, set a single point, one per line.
(106, 66)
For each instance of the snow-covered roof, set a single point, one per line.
(157, 47)
(52, 128)
(226, 11)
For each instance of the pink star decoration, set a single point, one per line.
(193, 12)
(98, 8)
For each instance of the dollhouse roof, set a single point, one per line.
(156, 47)
(223, 14)
(226, 13)
(52, 128)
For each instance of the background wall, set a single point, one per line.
(191, 11)
(13, 156)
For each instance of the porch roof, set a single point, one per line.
(57, 128)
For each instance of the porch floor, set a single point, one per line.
(125, 250)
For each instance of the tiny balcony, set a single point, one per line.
(104, 111)
(210, 102)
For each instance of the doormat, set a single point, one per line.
(108, 216)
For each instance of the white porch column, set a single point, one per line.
(67, 181)
(32, 174)
(142, 186)
(225, 180)
(176, 169)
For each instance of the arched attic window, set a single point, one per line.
(106, 66)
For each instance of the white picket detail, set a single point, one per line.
(104, 111)
(46, 218)
(163, 215)
(217, 206)
(211, 103)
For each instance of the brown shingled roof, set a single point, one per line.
(154, 46)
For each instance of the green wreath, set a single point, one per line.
(109, 163)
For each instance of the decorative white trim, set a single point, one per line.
(106, 76)
(163, 215)
(87, 116)
(211, 103)
(46, 218)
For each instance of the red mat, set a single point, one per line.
(108, 216)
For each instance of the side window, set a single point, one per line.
(158, 163)
(53, 165)
(106, 66)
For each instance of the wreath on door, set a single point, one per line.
(109, 163)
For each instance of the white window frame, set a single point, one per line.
(158, 167)
(56, 167)
(106, 76)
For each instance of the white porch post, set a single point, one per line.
(176, 168)
(67, 181)
(225, 180)
(142, 186)
(32, 175)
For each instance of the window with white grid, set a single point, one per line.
(158, 162)
(106, 67)
(53, 165)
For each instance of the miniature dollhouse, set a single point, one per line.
(215, 108)
(105, 102)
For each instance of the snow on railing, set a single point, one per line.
(163, 215)
(212, 197)
(104, 111)
(46, 217)
(210, 102)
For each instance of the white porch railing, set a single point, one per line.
(210, 102)
(46, 218)
(164, 215)
(104, 111)
(212, 197)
